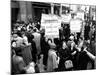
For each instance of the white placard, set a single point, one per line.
(80, 15)
(75, 25)
(51, 24)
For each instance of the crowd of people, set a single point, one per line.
(32, 52)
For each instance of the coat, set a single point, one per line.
(18, 64)
(37, 38)
(52, 61)
(65, 54)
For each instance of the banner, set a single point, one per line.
(51, 24)
(75, 25)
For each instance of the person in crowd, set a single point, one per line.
(34, 50)
(52, 63)
(92, 57)
(25, 39)
(40, 63)
(23, 47)
(37, 39)
(44, 49)
(38, 26)
(64, 54)
(84, 58)
(30, 69)
(57, 42)
(29, 34)
(18, 64)
(70, 41)
(75, 38)
(18, 39)
(74, 51)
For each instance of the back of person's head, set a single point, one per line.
(34, 29)
(56, 41)
(71, 38)
(49, 41)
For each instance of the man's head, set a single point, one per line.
(15, 36)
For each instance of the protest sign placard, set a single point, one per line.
(75, 25)
(51, 25)
(80, 15)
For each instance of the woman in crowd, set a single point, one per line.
(64, 54)
(25, 39)
(19, 40)
(37, 39)
(52, 63)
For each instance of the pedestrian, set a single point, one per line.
(52, 63)
(18, 64)
(37, 40)
(64, 54)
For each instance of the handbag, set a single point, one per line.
(68, 64)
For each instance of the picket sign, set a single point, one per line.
(51, 24)
(65, 18)
(75, 25)
(79, 15)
